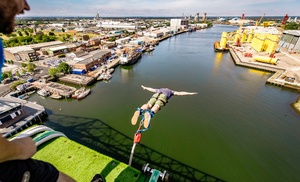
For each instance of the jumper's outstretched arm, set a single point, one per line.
(148, 88)
(185, 93)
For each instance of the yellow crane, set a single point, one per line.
(258, 22)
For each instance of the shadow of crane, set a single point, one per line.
(99, 136)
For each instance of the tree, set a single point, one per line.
(4, 75)
(23, 71)
(64, 68)
(15, 84)
(112, 39)
(30, 30)
(26, 32)
(30, 67)
(51, 34)
(53, 72)
(23, 65)
(20, 33)
(17, 73)
(292, 26)
(7, 74)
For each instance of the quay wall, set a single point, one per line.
(274, 79)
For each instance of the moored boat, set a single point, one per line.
(43, 93)
(104, 76)
(129, 59)
(84, 94)
(218, 48)
(56, 95)
(107, 77)
(111, 70)
(78, 92)
(24, 96)
(150, 48)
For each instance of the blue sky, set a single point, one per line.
(163, 7)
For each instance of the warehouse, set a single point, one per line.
(94, 60)
(290, 40)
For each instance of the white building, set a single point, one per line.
(154, 34)
(239, 21)
(123, 40)
(116, 25)
(57, 25)
(176, 24)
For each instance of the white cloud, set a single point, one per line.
(161, 8)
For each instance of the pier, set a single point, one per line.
(279, 70)
(77, 80)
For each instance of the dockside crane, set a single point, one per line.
(284, 20)
(258, 22)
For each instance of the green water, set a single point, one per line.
(236, 129)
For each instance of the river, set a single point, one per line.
(237, 128)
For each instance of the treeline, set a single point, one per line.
(292, 26)
(21, 39)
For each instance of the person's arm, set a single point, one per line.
(185, 93)
(149, 89)
(18, 149)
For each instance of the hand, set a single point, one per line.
(25, 147)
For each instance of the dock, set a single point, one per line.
(63, 90)
(113, 64)
(281, 70)
(77, 79)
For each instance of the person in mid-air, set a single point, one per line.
(157, 101)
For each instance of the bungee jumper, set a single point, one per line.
(148, 110)
(155, 103)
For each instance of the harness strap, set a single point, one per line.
(158, 98)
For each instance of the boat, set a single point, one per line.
(111, 70)
(100, 77)
(31, 92)
(43, 93)
(104, 76)
(218, 48)
(129, 59)
(107, 77)
(56, 95)
(24, 96)
(151, 48)
(84, 94)
(78, 92)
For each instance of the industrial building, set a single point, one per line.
(94, 60)
(27, 52)
(290, 40)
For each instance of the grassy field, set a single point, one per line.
(83, 163)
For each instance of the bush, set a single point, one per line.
(16, 83)
(23, 65)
